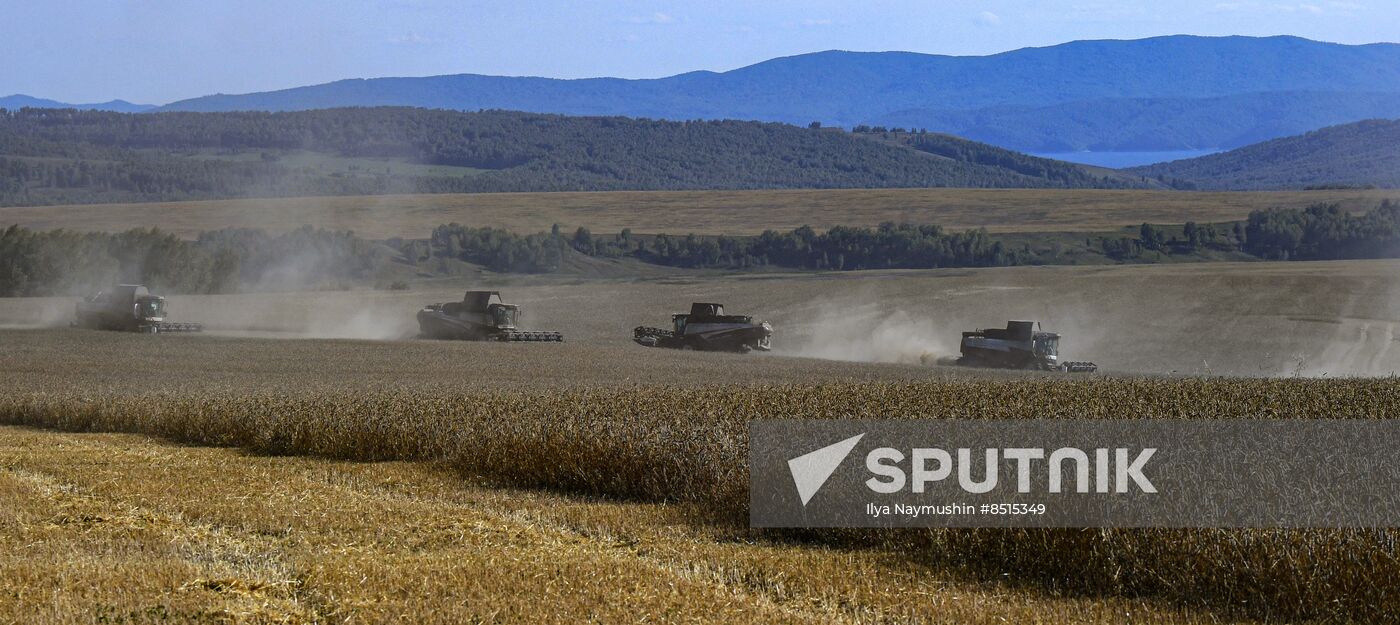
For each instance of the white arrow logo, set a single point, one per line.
(810, 471)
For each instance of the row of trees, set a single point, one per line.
(842, 248)
(1318, 232)
(498, 249)
(61, 262)
(1324, 232)
(888, 246)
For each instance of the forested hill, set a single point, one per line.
(65, 156)
(1360, 154)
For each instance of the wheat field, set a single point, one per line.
(676, 450)
(306, 461)
(124, 529)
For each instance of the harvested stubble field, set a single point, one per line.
(636, 489)
(1250, 319)
(122, 529)
(700, 212)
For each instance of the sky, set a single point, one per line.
(158, 51)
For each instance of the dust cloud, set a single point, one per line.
(351, 314)
(869, 332)
(30, 313)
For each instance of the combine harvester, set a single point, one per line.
(128, 308)
(706, 327)
(1019, 346)
(480, 316)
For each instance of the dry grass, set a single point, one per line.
(120, 529)
(701, 212)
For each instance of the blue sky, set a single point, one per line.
(156, 51)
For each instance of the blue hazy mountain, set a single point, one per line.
(1111, 94)
(19, 101)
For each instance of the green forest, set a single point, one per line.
(1356, 155)
(60, 262)
(58, 156)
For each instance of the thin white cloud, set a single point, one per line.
(1287, 7)
(654, 18)
(988, 18)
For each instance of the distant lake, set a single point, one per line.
(1125, 159)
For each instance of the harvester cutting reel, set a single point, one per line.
(1078, 367)
(165, 327)
(651, 337)
(532, 336)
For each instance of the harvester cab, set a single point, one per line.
(480, 316)
(698, 311)
(493, 311)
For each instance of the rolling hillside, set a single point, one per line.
(1108, 82)
(1360, 154)
(1119, 124)
(65, 156)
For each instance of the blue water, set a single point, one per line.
(1125, 159)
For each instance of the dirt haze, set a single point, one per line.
(1253, 319)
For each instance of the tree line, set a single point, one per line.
(889, 246)
(61, 262)
(1324, 232)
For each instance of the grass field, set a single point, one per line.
(701, 212)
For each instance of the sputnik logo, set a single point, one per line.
(810, 471)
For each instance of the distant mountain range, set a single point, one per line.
(1164, 93)
(1360, 154)
(1173, 93)
(19, 101)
